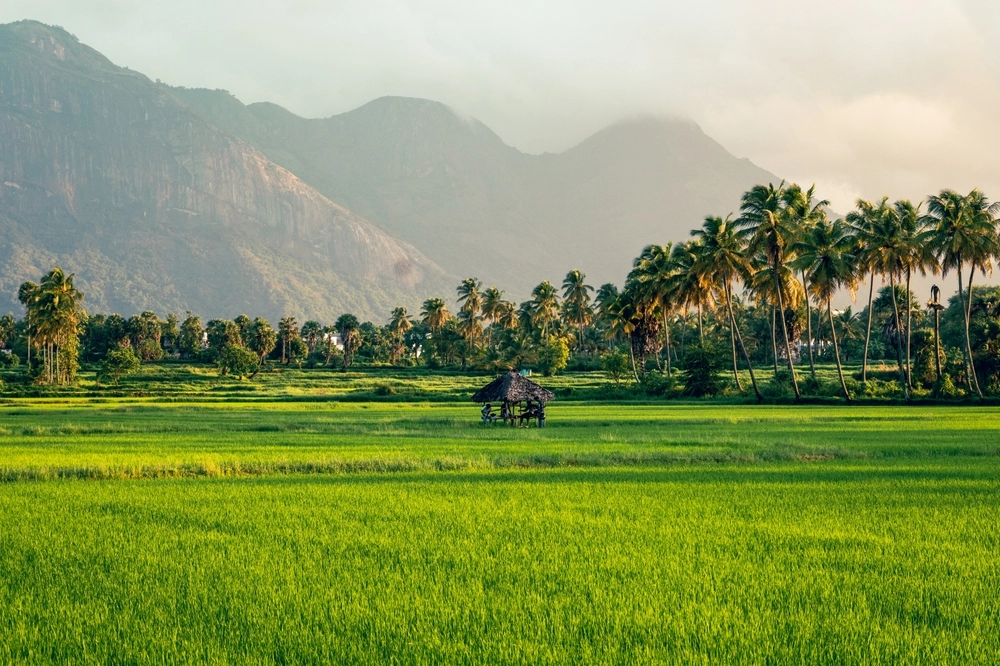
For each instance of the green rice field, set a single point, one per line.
(243, 531)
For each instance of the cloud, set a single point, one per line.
(863, 97)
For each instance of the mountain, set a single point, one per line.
(478, 207)
(171, 199)
(111, 176)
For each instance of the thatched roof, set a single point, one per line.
(514, 388)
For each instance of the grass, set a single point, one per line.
(269, 529)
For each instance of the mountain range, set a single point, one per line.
(172, 199)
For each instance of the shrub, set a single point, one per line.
(238, 361)
(616, 365)
(701, 367)
(553, 356)
(119, 363)
(10, 360)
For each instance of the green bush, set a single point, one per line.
(150, 350)
(701, 368)
(616, 365)
(238, 361)
(118, 363)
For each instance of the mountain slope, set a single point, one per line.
(476, 206)
(109, 175)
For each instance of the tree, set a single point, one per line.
(493, 309)
(553, 355)
(170, 331)
(866, 222)
(348, 325)
(804, 212)
(399, 325)
(261, 338)
(288, 330)
(764, 217)
(242, 322)
(238, 361)
(435, 314)
(544, 307)
(191, 334)
(576, 301)
(825, 253)
(8, 327)
(119, 362)
(654, 272)
(311, 333)
(916, 236)
(222, 333)
(470, 320)
(723, 258)
(964, 233)
(54, 316)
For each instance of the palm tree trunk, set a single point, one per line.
(968, 343)
(683, 332)
(909, 373)
(666, 328)
(784, 332)
(774, 340)
(868, 330)
(732, 337)
(899, 331)
(965, 315)
(809, 328)
(836, 349)
(746, 357)
(631, 355)
(701, 328)
(937, 342)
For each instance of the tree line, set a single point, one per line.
(756, 287)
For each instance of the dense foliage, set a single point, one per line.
(757, 290)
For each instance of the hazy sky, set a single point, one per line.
(863, 97)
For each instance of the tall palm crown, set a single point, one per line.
(469, 295)
(827, 253)
(545, 306)
(575, 288)
(400, 323)
(492, 306)
(434, 314)
(722, 254)
(764, 219)
(965, 229)
(653, 271)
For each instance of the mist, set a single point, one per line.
(865, 99)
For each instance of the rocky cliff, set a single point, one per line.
(111, 176)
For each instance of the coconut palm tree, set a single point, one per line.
(865, 222)
(724, 259)
(545, 307)
(824, 252)
(311, 332)
(55, 311)
(765, 219)
(768, 290)
(888, 253)
(399, 325)
(348, 325)
(576, 301)
(492, 309)
(470, 304)
(434, 314)
(689, 285)
(653, 271)
(803, 212)
(607, 295)
(964, 233)
(288, 330)
(916, 236)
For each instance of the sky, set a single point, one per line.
(865, 98)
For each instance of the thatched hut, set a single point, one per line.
(521, 400)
